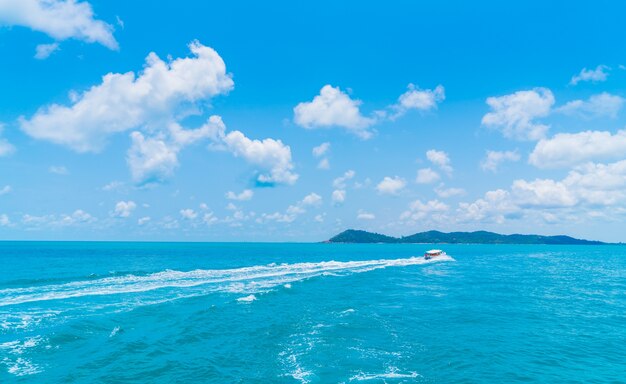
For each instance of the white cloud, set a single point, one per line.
(245, 195)
(114, 185)
(333, 108)
(567, 149)
(209, 218)
(312, 199)
(587, 190)
(543, 192)
(340, 182)
(319, 218)
(276, 216)
(426, 176)
(272, 156)
(4, 220)
(493, 159)
(321, 149)
(59, 19)
(603, 104)
(338, 196)
(418, 99)
(143, 220)
(5, 147)
(445, 193)
(77, 217)
(593, 75)
(4, 190)
(151, 159)
(418, 211)
(494, 207)
(363, 215)
(323, 164)
(440, 159)
(124, 208)
(188, 214)
(391, 185)
(59, 170)
(125, 101)
(515, 114)
(43, 51)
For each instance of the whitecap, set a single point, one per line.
(247, 299)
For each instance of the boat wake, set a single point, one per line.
(129, 291)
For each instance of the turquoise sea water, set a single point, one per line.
(310, 313)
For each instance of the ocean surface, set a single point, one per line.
(73, 312)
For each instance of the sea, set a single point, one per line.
(136, 312)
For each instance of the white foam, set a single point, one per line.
(392, 374)
(288, 286)
(115, 331)
(247, 280)
(247, 299)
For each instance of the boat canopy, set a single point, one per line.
(434, 252)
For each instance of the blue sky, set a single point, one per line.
(291, 121)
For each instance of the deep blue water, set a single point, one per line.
(284, 313)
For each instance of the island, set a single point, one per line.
(437, 237)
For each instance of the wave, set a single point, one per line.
(240, 280)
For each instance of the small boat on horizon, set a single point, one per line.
(434, 253)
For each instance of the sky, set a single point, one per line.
(293, 121)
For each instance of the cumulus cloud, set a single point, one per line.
(150, 103)
(567, 149)
(4, 190)
(338, 196)
(340, 182)
(188, 214)
(603, 104)
(440, 159)
(418, 211)
(271, 155)
(321, 149)
(418, 99)
(588, 188)
(391, 185)
(514, 115)
(124, 208)
(59, 19)
(364, 215)
(426, 176)
(151, 159)
(125, 101)
(448, 192)
(495, 206)
(143, 220)
(323, 164)
(493, 159)
(43, 51)
(6, 148)
(245, 195)
(78, 217)
(312, 199)
(333, 108)
(600, 73)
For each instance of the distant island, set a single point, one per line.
(478, 237)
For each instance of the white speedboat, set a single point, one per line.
(434, 253)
